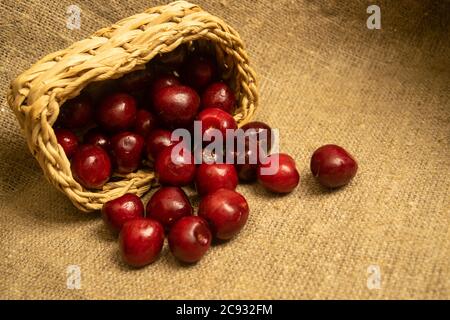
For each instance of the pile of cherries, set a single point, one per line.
(120, 126)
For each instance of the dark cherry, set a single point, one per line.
(333, 166)
(117, 112)
(91, 166)
(120, 210)
(189, 239)
(145, 123)
(141, 241)
(126, 151)
(247, 170)
(175, 173)
(158, 140)
(199, 71)
(97, 137)
(219, 95)
(261, 133)
(226, 211)
(68, 141)
(176, 106)
(167, 205)
(214, 118)
(211, 177)
(282, 176)
(76, 113)
(162, 81)
(135, 81)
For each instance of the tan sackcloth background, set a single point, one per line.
(324, 78)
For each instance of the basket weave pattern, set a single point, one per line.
(37, 94)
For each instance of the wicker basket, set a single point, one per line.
(37, 94)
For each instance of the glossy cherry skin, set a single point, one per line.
(97, 137)
(211, 177)
(141, 241)
(261, 133)
(145, 123)
(218, 95)
(167, 205)
(176, 106)
(126, 151)
(91, 166)
(117, 112)
(247, 171)
(158, 140)
(68, 141)
(284, 177)
(199, 71)
(120, 210)
(178, 173)
(162, 81)
(333, 166)
(214, 118)
(226, 212)
(76, 113)
(189, 239)
(135, 81)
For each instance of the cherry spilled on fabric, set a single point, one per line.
(211, 177)
(76, 113)
(189, 239)
(68, 141)
(218, 95)
(278, 174)
(214, 118)
(126, 151)
(120, 210)
(179, 171)
(145, 123)
(117, 112)
(141, 241)
(91, 166)
(158, 140)
(97, 137)
(226, 212)
(333, 166)
(167, 205)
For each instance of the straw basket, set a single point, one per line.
(38, 93)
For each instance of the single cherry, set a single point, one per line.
(135, 81)
(218, 95)
(226, 211)
(333, 166)
(120, 210)
(176, 106)
(167, 205)
(199, 71)
(68, 141)
(158, 140)
(97, 137)
(247, 167)
(189, 239)
(91, 166)
(76, 113)
(214, 118)
(260, 133)
(145, 123)
(162, 81)
(211, 177)
(117, 112)
(141, 241)
(126, 150)
(278, 173)
(175, 168)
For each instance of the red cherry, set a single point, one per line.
(284, 176)
(213, 118)
(226, 212)
(199, 71)
(120, 210)
(247, 171)
(177, 172)
(167, 205)
(176, 106)
(76, 113)
(261, 133)
(145, 123)
(211, 177)
(91, 166)
(141, 241)
(126, 150)
(97, 137)
(218, 95)
(117, 112)
(165, 80)
(135, 81)
(333, 166)
(158, 140)
(189, 239)
(68, 141)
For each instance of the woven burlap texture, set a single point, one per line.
(324, 78)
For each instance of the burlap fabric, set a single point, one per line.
(324, 78)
